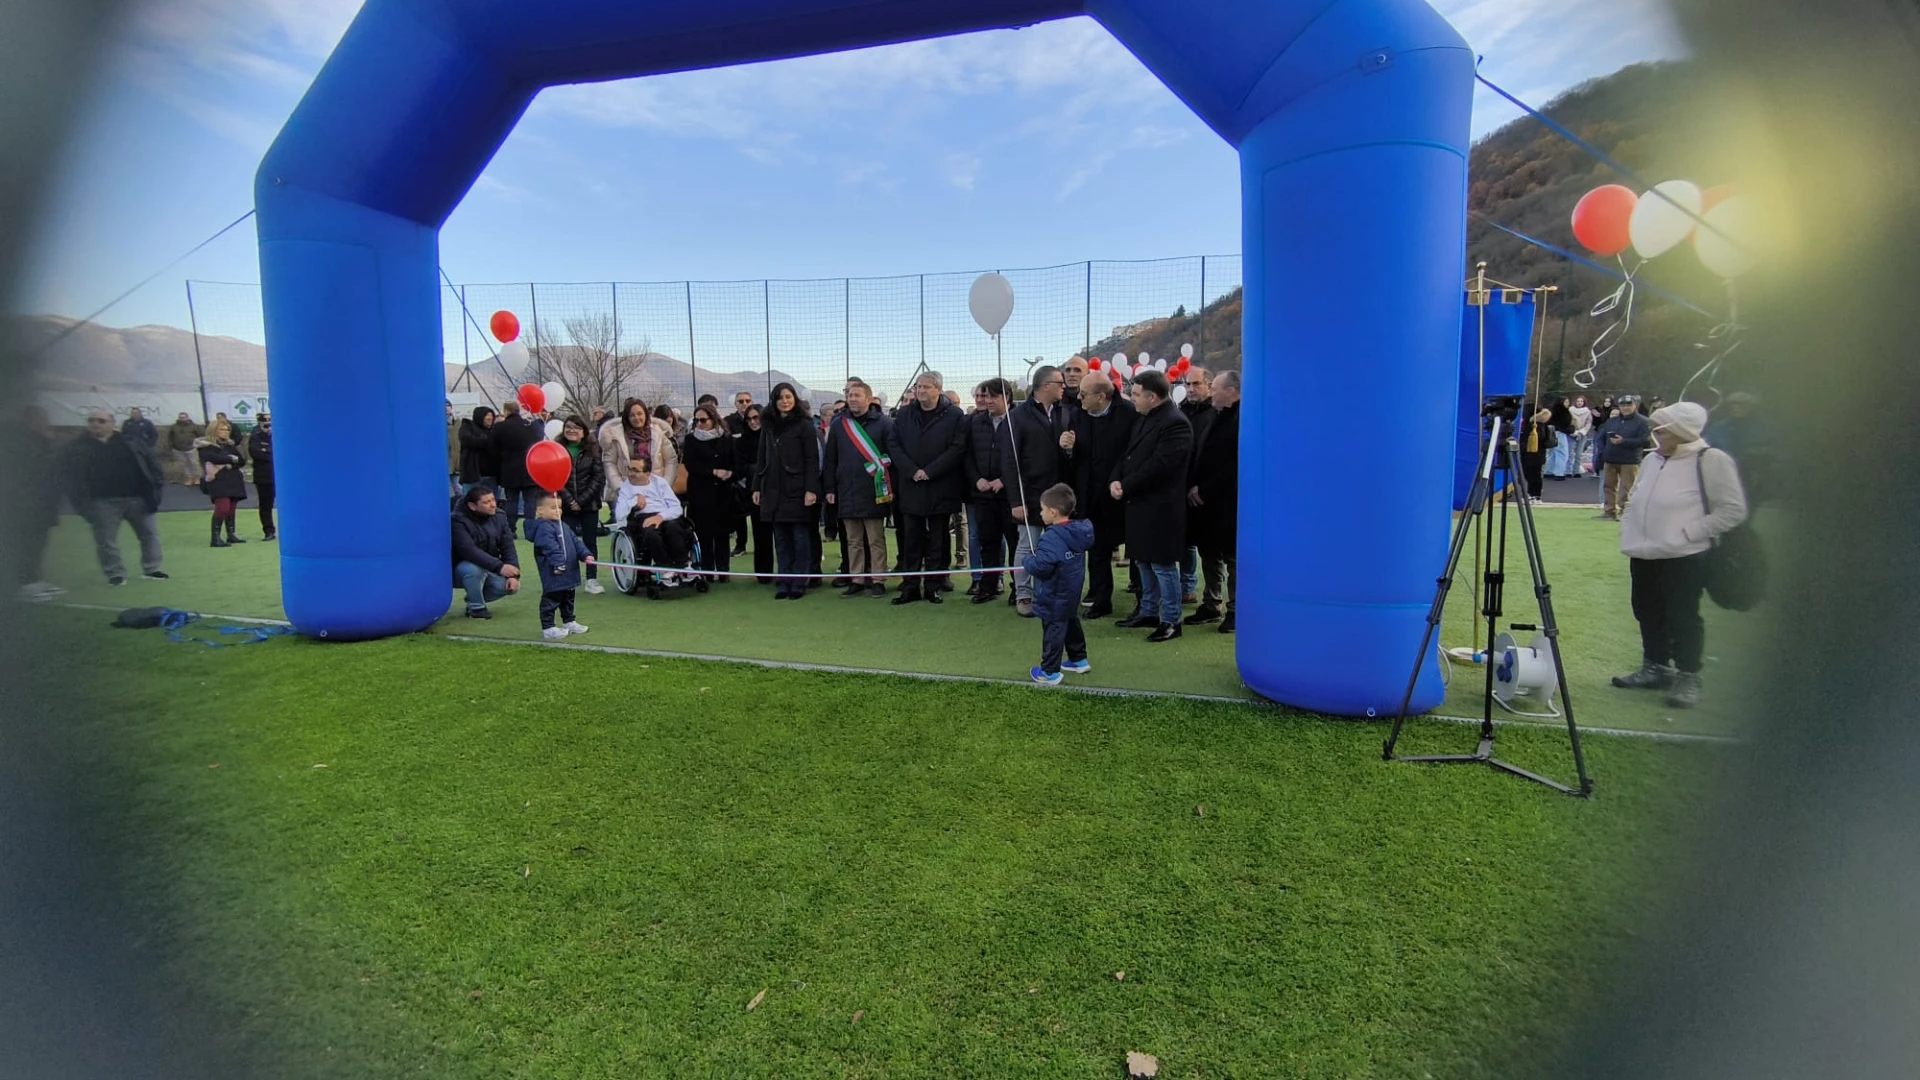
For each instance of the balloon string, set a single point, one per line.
(1621, 298)
(1732, 334)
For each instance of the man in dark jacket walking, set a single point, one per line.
(1152, 481)
(1213, 498)
(260, 449)
(485, 562)
(30, 447)
(1101, 429)
(1622, 440)
(139, 427)
(510, 439)
(181, 435)
(991, 516)
(859, 479)
(113, 478)
(1032, 460)
(929, 441)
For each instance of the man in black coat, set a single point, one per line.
(859, 480)
(113, 478)
(485, 562)
(1031, 458)
(139, 427)
(29, 445)
(260, 449)
(929, 441)
(987, 507)
(1213, 500)
(510, 439)
(1152, 481)
(1101, 429)
(1198, 409)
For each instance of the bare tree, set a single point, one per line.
(591, 362)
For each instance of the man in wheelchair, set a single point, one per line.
(656, 527)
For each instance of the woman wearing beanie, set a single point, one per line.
(1686, 495)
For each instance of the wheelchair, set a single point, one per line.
(656, 585)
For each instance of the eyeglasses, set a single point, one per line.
(703, 420)
(98, 420)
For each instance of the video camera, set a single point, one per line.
(1504, 406)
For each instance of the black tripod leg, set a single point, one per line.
(1550, 626)
(1476, 497)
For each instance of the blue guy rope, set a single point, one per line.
(1607, 270)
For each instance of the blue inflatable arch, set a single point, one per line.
(1351, 118)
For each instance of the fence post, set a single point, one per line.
(206, 414)
(619, 383)
(539, 365)
(766, 326)
(846, 303)
(1089, 310)
(693, 364)
(466, 339)
(1200, 351)
(923, 321)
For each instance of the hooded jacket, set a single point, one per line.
(476, 448)
(1058, 567)
(557, 552)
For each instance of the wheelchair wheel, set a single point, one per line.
(627, 581)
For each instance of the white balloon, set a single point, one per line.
(991, 302)
(1160, 364)
(556, 395)
(1120, 361)
(554, 427)
(1179, 393)
(1729, 250)
(1143, 359)
(513, 356)
(1657, 225)
(1186, 351)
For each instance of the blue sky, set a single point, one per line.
(1011, 148)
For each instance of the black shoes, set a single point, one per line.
(1226, 624)
(853, 590)
(985, 596)
(908, 598)
(157, 575)
(1136, 621)
(877, 589)
(1167, 632)
(1098, 611)
(934, 598)
(479, 613)
(1203, 616)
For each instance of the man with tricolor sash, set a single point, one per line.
(860, 485)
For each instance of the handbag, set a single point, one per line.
(1737, 563)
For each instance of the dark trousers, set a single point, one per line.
(30, 552)
(762, 550)
(793, 551)
(265, 494)
(550, 602)
(585, 525)
(1666, 602)
(1214, 570)
(1100, 578)
(1530, 468)
(926, 543)
(743, 527)
(519, 502)
(715, 536)
(994, 522)
(665, 545)
(1056, 637)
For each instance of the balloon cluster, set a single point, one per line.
(1122, 372)
(1610, 219)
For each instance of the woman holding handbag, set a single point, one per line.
(221, 479)
(1687, 496)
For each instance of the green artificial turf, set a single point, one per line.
(436, 858)
(1589, 577)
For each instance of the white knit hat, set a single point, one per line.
(1686, 419)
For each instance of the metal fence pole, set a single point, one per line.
(693, 364)
(846, 302)
(766, 327)
(619, 383)
(923, 322)
(539, 365)
(1200, 352)
(466, 339)
(193, 321)
(1089, 311)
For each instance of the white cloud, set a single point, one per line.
(1143, 137)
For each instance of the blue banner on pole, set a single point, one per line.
(1507, 317)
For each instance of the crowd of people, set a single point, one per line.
(912, 494)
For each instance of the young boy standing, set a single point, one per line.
(559, 554)
(1058, 570)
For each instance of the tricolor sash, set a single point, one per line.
(876, 463)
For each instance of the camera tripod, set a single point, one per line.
(1501, 453)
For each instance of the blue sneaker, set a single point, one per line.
(1040, 675)
(1076, 667)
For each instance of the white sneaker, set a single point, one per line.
(554, 633)
(574, 628)
(594, 588)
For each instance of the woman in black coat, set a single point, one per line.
(220, 465)
(746, 454)
(477, 462)
(787, 487)
(707, 457)
(1151, 480)
(1539, 424)
(580, 498)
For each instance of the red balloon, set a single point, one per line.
(1600, 219)
(532, 398)
(1181, 365)
(549, 464)
(505, 326)
(1093, 364)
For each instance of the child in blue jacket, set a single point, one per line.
(1058, 570)
(558, 553)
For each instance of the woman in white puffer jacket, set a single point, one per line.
(1687, 494)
